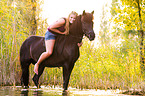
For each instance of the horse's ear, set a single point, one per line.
(84, 12)
(92, 12)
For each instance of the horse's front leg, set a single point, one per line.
(66, 75)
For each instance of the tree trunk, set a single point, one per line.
(33, 19)
(142, 49)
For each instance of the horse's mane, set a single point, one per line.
(75, 34)
(75, 28)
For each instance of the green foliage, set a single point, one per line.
(15, 26)
(104, 35)
(126, 15)
(108, 67)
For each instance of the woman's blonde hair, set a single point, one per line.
(67, 21)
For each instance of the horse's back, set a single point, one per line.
(29, 41)
(28, 45)
(34, 46)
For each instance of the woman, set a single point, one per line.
(61, 27)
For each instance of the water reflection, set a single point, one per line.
(24, 93)
(46, 91)
(38, 93)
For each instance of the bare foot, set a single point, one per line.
(36, 68)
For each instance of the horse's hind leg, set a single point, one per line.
(36, 77)
(25, 73)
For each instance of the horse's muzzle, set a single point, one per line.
(90, 35)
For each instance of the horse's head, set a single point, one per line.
(87, 25)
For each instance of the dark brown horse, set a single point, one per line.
(66, 50)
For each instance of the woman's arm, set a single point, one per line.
(56, 25)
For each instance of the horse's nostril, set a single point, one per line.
(92, 36)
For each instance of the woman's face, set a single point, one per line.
(72, 18)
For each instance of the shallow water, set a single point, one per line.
(47, 91)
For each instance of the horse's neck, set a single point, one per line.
(76, 27)
(76, 32)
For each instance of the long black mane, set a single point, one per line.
(76, 27)
(75, 35)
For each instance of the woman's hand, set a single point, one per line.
(65, 33)
(80, 44)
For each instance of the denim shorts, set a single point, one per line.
(49, 36)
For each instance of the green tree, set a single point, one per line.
(130, 16)
(105, 28)
(10, 30)
(15, 27)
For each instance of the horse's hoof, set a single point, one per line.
(36, 82)
(38, 86)
(26, 87)
(65, 93)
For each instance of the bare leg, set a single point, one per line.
(49, 49)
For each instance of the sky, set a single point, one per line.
(55, 9)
